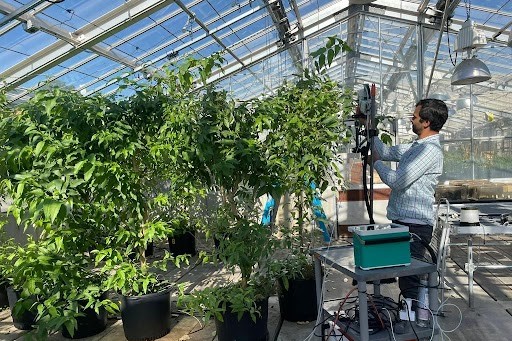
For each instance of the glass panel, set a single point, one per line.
(145, 42)
(493, 159)
(16, 45)
(76, 14)
(98, 66)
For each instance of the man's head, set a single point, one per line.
(431, 111)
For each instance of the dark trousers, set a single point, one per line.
(409, 285)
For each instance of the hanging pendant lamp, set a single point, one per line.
(471, 70)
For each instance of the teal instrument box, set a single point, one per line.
(381, 246)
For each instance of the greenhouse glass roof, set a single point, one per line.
(401, 46)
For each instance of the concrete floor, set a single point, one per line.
(488, 320)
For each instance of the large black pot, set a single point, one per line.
(150, 250)
(4, 302)
(146, 317)
(298, 303)
(24, 321)
(244, 329)
(182, 244)
(90, 324)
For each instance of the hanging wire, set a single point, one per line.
(467, 5)
(454, 61)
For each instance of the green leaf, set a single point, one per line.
(79, 166)
(330, 42)
(59, 243)
(39, 148)
(20, 189)
(321, 61)
(49, 105)
(330, 57)
(51, 209)
(318, 52)
(88, 174)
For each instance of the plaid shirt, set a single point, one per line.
(414, 181)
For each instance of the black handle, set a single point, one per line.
(383, 241)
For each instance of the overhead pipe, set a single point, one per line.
(441, 29)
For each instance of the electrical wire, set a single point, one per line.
(390, 323)
(454, 62)
(445, 304)
(198, 321)
(339, 310)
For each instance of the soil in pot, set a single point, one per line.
(90, 324)
(182, 244)
(244, 329)
(24, 321)
(146, 317)
(298, 303)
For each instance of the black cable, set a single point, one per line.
(366, 194)
(413, 330)
(449, 48)
(55, 1)
(427, 246)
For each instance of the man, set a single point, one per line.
(413, 183)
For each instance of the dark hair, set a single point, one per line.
(435, 111)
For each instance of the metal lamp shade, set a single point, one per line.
(470, 71)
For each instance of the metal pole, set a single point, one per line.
(319, 294)
(420, 62)
(472, 139)
(441, 28)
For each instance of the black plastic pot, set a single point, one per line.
(90, 324)
(146, 317)
(182, 244)
(150, 250)
(298, 303)
(25, 320)
(4, 302)
(244, 329)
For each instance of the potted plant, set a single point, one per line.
(239, 308)
(23, 316)
(304, 140)
(83, 171)
(228, 156)
(3, 281)
(58, 290)
(48, 177)
(183, 215)
(149, 156)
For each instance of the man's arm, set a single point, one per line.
(387, 153)
(411, 168)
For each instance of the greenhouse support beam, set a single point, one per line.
(287, 35)
(20, 11)
(189, 43)
(219, 41)
(147, 54)
(88, 36)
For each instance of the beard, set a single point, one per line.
(416, 130)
